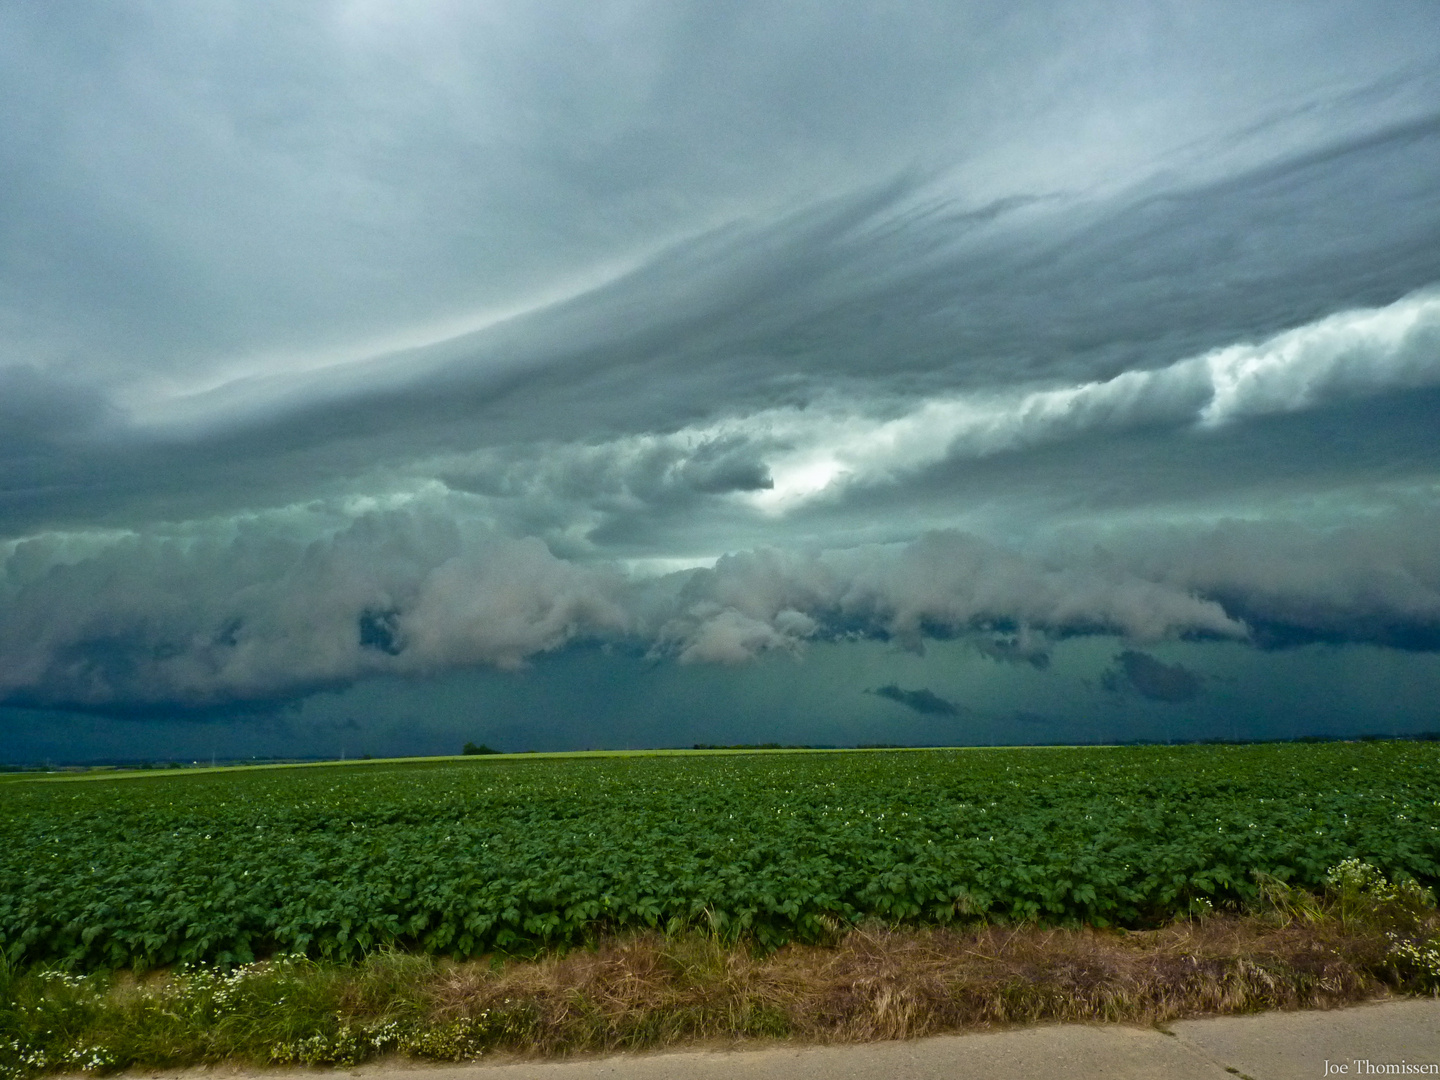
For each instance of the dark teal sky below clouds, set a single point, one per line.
(650, 374)
(586, 699)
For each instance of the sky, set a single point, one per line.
(380, 376)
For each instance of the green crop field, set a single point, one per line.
(471, 856)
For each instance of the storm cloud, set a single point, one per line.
(925, 702)
(253, 609)
(381, 341)
(1151, 678)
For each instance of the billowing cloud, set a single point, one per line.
(1345, 355)
(1370, 577)
(272, 605)
(256, 608)
(379, 339)
(249, 609)
(946, 583)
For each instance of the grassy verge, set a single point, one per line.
(1362, 937)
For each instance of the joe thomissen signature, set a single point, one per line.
(1366, 1067)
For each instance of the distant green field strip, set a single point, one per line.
(195, 770)
(548, 755)
(471, 855)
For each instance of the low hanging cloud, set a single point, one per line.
(275, 605)
(1026, 646)
(1371, 577)
(264, 608)
(242, 611)
(1151, 678)
(923, 701)
(942, 584)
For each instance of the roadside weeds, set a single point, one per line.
(1365, 937)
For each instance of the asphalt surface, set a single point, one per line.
(1358, 1041)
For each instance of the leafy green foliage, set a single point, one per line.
(284, 1011)
(465, 858)
(1404, 910)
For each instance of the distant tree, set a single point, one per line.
(471, 748)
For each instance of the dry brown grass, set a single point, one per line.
(880, 983)
(652, 990)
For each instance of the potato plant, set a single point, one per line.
(511, 854)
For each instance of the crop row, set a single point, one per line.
(472, 857)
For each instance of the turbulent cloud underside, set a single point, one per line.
(399, 340)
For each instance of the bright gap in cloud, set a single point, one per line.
(657, 566)
(1346, 355)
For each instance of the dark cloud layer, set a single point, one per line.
(925, 702)
(243, 611)
(377, 341)
(264, 609)
(1151, 678)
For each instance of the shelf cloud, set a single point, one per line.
(376, 341)
(237, 609)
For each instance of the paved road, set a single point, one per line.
(1270, 1046)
